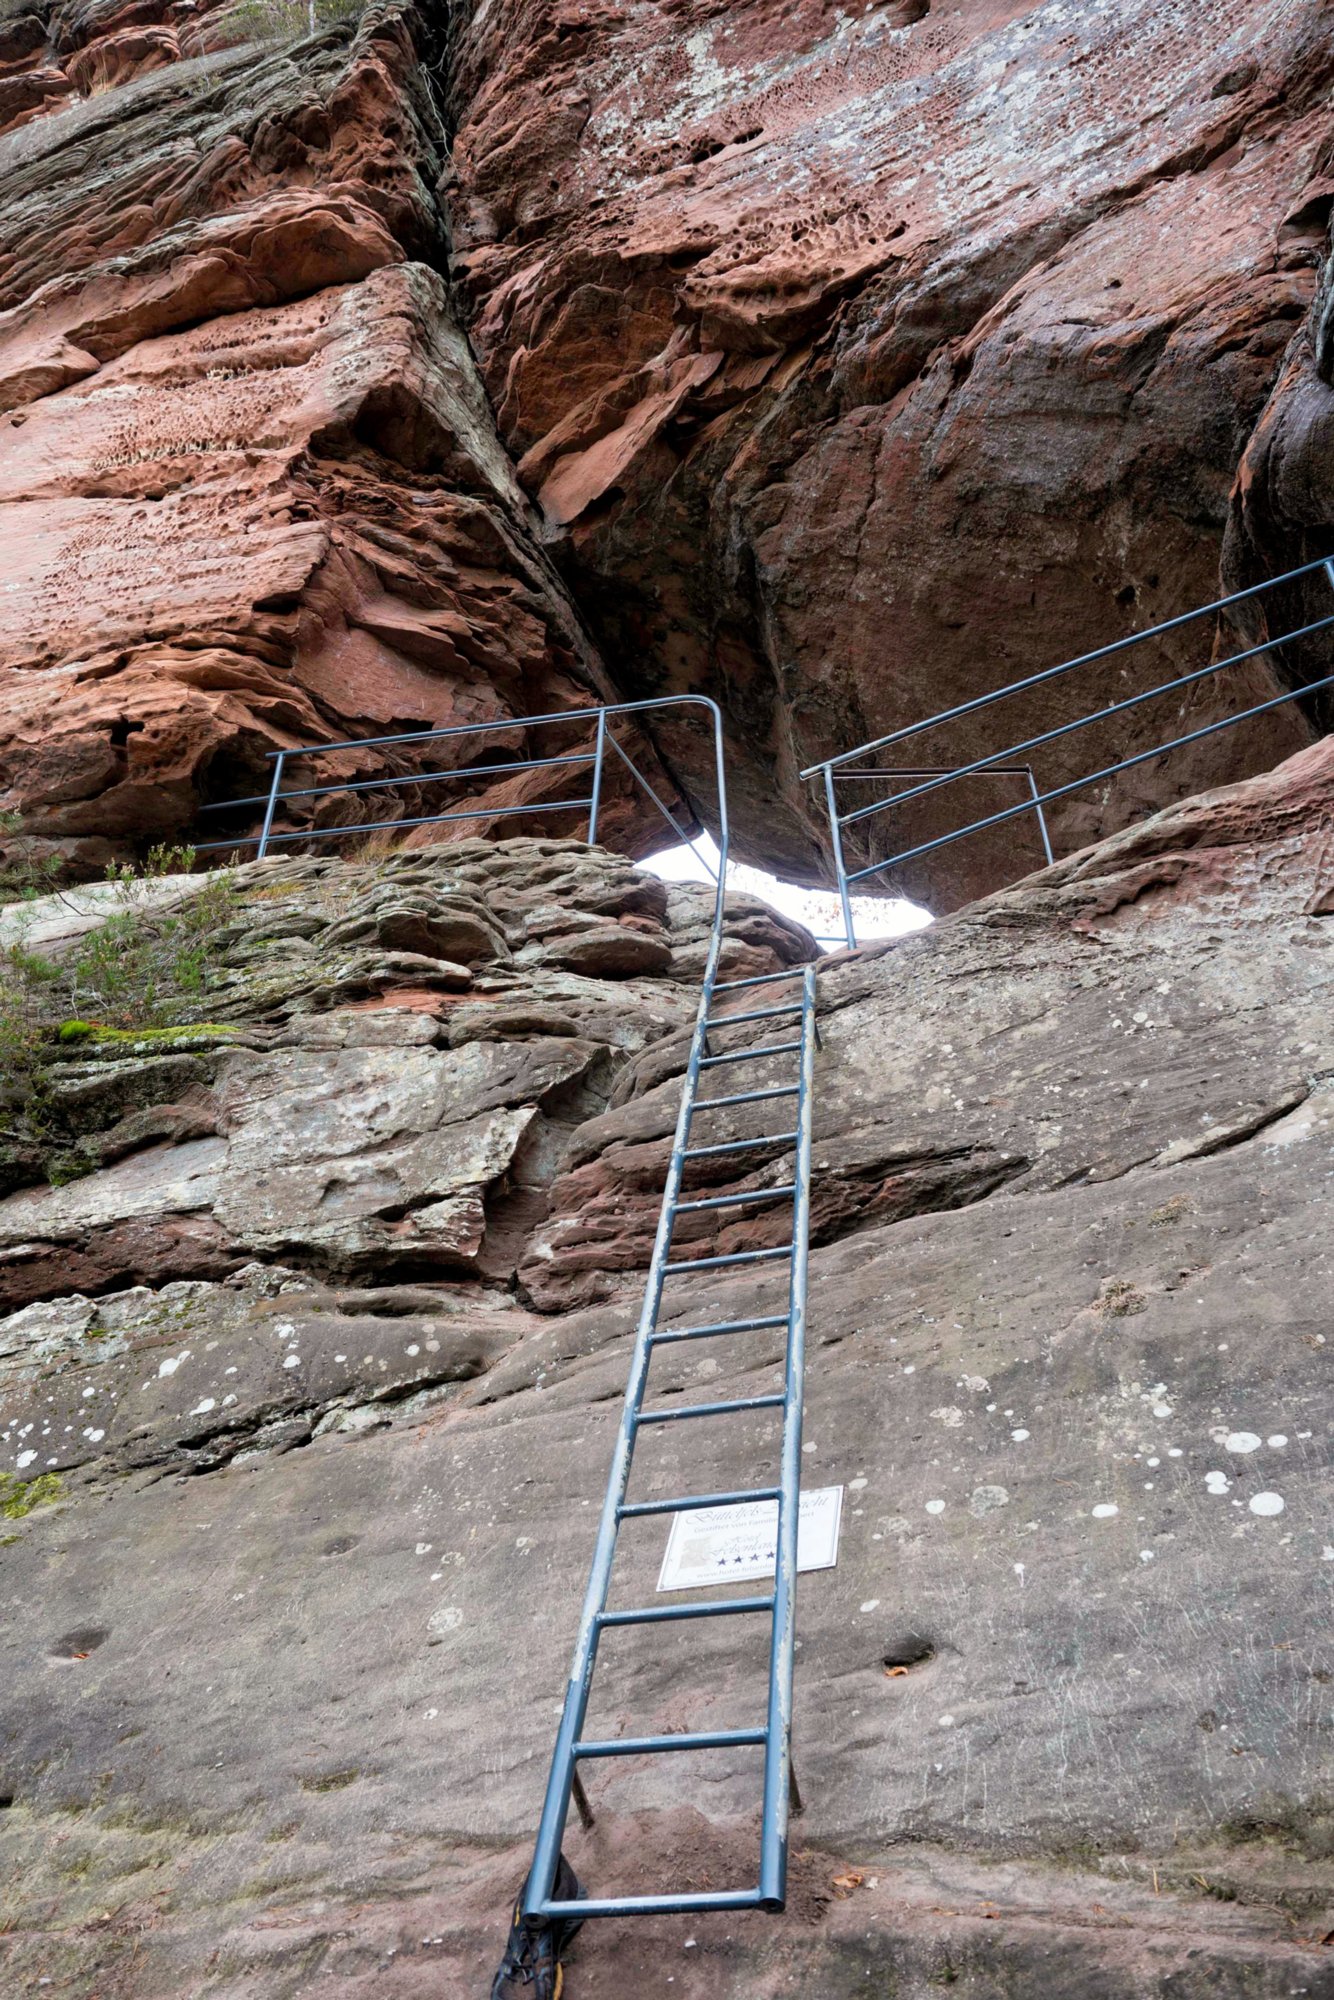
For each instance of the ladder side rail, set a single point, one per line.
(778, 1746)
(560, 1781)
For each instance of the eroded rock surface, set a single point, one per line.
(933, 332)
(386, 1071)
(842, 366)
(251, 495)
(1060, 1703)
(452, 364)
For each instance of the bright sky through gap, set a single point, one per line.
(818, 909)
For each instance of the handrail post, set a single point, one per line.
(267, 827)
(1042, 817)
(596, 799)
(836, 843)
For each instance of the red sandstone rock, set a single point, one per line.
(856, 364)
(250, 492)
(1283, 501)
(869, 361)
(1199, 884)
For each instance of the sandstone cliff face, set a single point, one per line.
(869, 360)
(454, 363)
(842, 366)
(250, 491)
(1069, 1320)
(1283, 502)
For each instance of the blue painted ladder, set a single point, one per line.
(779, 1604)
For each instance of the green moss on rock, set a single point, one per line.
(20, 1497)
(96, 1031)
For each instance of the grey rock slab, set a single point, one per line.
(261, 1202)
(162, 1181)
(318, 1142)
(1113, 1691)
(610, 952)
(196, 1372)
(50, 925)
(90, 1096)
(907, 1359)
(297, 1106)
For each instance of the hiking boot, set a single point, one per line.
(531, 1967)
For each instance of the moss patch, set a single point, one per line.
(332, 1781)
(1119, 1298)
(19, 1497)
(97, 1031)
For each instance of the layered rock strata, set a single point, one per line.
(251, 496)
(843, 366)
(869, 360)
(413, 1043)
(1058, 1704)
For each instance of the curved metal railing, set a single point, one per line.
(604, 739)
(845, 768)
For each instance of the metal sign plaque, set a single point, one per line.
(713, 1545)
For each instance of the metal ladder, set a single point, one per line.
(538, 1904)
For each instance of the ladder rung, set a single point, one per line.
(735, 1200)
(749, 1055)
(657, 1906)
(754, 1014)
(692, 1502)
(644, 1746)
(710, 1409)
(760, 979)
(734, 1257)
(670, 1614)
(746, 1097)
(738, 1145)
(719, 1326)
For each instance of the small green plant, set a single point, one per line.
(62, 1168)
(137, 975)
(135, 970)
(24, 876)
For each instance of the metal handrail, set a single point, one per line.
(835, 770)
(404, 778)
(1068, 666)
(563, 1784)
(596, 757)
